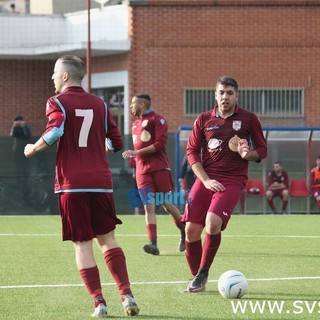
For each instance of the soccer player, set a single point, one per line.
(278, 186)
(149, 134)
(84, 130)
(315, 181)
(219, 150)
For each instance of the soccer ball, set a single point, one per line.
(232, 284)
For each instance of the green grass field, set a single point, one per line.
(280, 255)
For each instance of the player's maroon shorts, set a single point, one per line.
(315, 191)
(156, 181)
(203, 200)
(277, 192)
(85, 215)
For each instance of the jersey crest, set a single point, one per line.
(236, 125)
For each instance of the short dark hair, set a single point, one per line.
(74, 66)
(18, 118)
(145, 97)
(228, 81)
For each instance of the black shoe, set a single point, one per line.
(182, 243)
(151, 249)
(198, 283)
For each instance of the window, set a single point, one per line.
(113, 96)
(271, 103)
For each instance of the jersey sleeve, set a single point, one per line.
(161, 134)
(259, 142)
(55, 125)
(195, 142)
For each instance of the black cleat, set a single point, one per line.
(198, 283)
(151, 249)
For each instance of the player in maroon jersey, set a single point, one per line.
(149, 134)
(84, 130)
(278, 186)
(222, 143)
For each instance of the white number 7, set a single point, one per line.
(86, 125)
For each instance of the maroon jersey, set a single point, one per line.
(211, 143)
(150, 129)
(315, 177)
(282, 178)
(80, 123)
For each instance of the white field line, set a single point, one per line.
(150, 283)
(163, 235)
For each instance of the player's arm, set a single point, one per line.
(194, 146)
(260, 149)
(54, 129)
(210, 184)
(245, 152)
(31, 149)
(143, 151)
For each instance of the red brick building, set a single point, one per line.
(179, 48)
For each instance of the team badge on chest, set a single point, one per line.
(236, 125)
(233, 143)
(145, 136)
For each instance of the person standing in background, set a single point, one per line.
(83, 128)
(21, 134)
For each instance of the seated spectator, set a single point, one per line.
(315, 182)
(278, 186)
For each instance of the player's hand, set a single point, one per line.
(214, 185)
(243, 148)
(129, 154)
(29, 150)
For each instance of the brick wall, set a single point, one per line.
(25, 86)
(179, 44)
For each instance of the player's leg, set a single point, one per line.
(194, 216)
(89, 273)
(269, 196)
(175, 214)
(217, 218)
(193, 246)
(104, 222)
(116, 262)
(151, 226)
(285, 200)
(163, 183)
(76, 226)
(147, 191)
